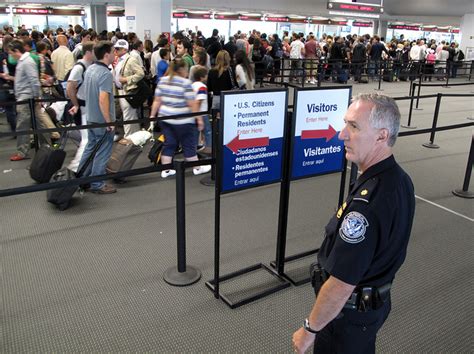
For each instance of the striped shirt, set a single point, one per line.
(175, 95)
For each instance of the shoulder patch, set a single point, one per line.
(353, 227)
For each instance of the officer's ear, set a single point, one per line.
(383, 135)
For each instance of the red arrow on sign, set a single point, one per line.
(237, 143)
(318, 134)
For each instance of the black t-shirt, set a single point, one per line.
(359, 53)
(366, 240)
(216, 83)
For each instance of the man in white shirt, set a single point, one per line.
(75, 92)
(155, 57)
(296, 52)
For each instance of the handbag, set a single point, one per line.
(155, 152)
(140, 94)
(231, 74)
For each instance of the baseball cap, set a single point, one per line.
(121, 43)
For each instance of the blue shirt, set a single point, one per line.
(161, 69)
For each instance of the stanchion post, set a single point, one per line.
(211, 180)
(379, 70)
(320, 73)
(418, 93)
(431, 144)
(448, 72)
(34, 125)
(182, 275)
(410, 112)
(464, 192)
(284, 205)
(342, 185)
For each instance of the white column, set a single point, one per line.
(97, 17)
(467, 32)
(382, 29)
(148, 17)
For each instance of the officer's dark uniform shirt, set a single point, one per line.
(366, 240)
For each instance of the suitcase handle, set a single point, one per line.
(89, 160)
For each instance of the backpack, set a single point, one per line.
(67, 117)
(66, 78)
(460, 55)
(256, 55)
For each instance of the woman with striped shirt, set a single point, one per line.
(174, 95)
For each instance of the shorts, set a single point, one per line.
(175, 134)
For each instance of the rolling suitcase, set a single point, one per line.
(364, 79)
(61, 197)
(388, 75)
(124, 156)
(46, 162)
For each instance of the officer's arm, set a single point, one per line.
(329, 303)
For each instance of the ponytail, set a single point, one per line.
(174, 67)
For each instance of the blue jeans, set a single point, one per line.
(207, 131)
(10, 110)
(97, 167)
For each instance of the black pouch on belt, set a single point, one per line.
(318, 277)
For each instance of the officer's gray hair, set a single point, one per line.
(384, 114)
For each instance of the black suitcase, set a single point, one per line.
(46, 162)
(61, 197)
(388, 75)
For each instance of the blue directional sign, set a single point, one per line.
(252, 138)
(318, 119)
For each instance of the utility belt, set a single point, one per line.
(363, 299)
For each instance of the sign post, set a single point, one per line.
(249, 154)
(315, 150)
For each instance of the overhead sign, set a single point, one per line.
(362, 24)
(318, 119)
(405, 27)
(31, 11)
(252, 138)
(362, 8)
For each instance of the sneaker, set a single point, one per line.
(314, 81)
(202, 169)
(18, 157)
(200, 147)
(106, 189)
(167, 173)
(207, 150)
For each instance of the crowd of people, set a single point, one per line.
(181, 71)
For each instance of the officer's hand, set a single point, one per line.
(302, 340)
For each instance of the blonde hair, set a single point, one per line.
(222, 61)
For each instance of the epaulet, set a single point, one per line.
(366, 190)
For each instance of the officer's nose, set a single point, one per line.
(343, 133)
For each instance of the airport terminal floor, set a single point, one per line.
(89, 279)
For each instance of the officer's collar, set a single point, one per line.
(374, 170)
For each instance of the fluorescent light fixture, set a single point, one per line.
(354, 14)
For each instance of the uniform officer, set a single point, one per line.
(366, 240)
